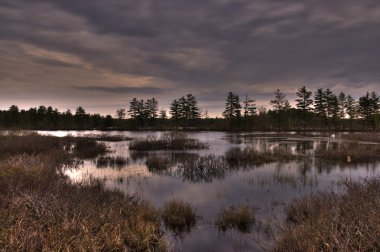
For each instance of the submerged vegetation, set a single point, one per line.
(167, 141)
(179, 216)
(240, 218)
(335, 222)
(41, 210)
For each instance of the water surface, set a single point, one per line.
(267, 189)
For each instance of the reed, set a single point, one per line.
(41, 210)
(167, 141)
(335, 222)
(178, 216)
(240, 218)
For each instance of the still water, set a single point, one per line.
(267, 189)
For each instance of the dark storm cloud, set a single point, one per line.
(206, 47)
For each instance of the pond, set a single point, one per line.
(267, 188)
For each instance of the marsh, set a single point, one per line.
(205, 178)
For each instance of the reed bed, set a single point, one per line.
(179, 216)
(363, 136)
(114, 162)
(41, 210)
(104, 137)
(158, 164)
(335, 222)
(240, 218)
(249, 156)
(350, 153)
(167, 141)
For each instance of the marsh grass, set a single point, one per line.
(41, 210)
(103, 137)
(88, 148)
(167, 141)
(349, 153)
(204, 168)
(13, 143)
(179, 216)
(335, 222)
(158, 164)
(240, 218)
(363, 136)
(249, 156)
(114, 162)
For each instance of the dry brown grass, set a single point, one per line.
(179, 216)
(240, 218)
(167, 141)
(335, 222)
(250, 156)
(40, 210)
(357, 153)
(362, 136)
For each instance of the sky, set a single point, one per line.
(100, 54)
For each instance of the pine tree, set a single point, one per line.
(229, 108)
(303, 103)
(175, 111)
(351, 107)
(151, 107)
(320, 103)
(249, 107)
(193, 107)
(279, 102)
(233, 106)
(342, 105)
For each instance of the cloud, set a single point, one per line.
(204, 47)
(123, 90)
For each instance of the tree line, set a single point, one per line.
(321, 110)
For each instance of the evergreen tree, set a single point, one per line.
(151, 107)
(137, 111)
(249, 107)
(233, 106)
(320, 103)
(342, 105)
(279, 102)
(303, 103)
(351, 107)
(175, 111)
(229, 109)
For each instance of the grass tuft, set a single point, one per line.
(178, 216)
(240, 218)
(167, 141)
(41, 210)
(335, 222)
